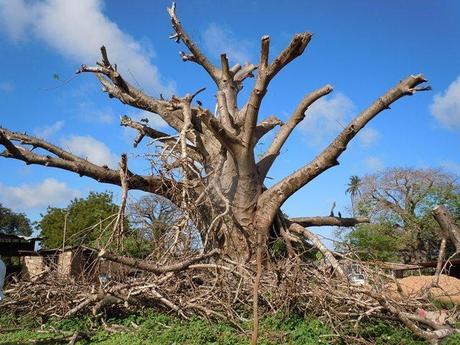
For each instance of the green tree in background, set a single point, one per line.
(14, 223)
(353, 189)
(399, 203)
(84, 220)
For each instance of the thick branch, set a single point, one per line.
(143, 130)
(197, 56)
(280, 192)
(447, 225)
(274, 150)
(266, 126)
(299, 229)
(153, 267)
(114, 84)
(67, 161)
(329, 221)
(266, 73)
(222, 134)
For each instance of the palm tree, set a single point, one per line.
(353, 189)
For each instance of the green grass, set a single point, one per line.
(161, 329)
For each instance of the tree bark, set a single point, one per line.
(447, 225)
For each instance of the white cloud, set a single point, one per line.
(6, 86)
(15, 17)
(90, 113)
(89, 148)
(374, 163)
(77, 29)
(368, 136)
(446, 106)
(28, 196)
(326, 118)
(47, 131)
(218, 40)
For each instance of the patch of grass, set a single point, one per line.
(161, 329)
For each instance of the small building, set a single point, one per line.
(76, 262)
(13, 245)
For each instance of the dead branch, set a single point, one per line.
(153, 267)
(447, 225)
(329, 221)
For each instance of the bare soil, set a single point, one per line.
(448, 289)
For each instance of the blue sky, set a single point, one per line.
(362, 48)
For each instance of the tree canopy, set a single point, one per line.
(14, 223)
(399, 202)
(84, 220)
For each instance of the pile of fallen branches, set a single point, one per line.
(218, 288)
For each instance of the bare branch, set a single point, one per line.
(264, 52)
(266, 126)
(224, 115)
(225, 137)
(280, 192)
(67, 161)
(299, 229)
(329, 221)
(295, 49)
(274, 150)
(117, 87)
(447, 225)
(197, 56)
(143, 129)
(153, 267)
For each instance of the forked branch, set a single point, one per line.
(266, 73)
(281, 191)
(285, 131)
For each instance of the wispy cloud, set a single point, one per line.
(89, 112)
(77, 29)
(218, 40)
(6, 86)
(326, 118)
(368, 136)
(32, 196)
(89, 148)
(47, 131)
(446, 106)
(373, 163)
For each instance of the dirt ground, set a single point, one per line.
(448, 290)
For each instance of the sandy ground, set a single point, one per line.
(448, 290)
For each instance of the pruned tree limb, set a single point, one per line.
(153, 267)
(447, 225)
(197, 56)
(67, 161)
(329, 221)
(266, 74)
(274, 150)
(299, 229)
(275, 196)
(266, 126)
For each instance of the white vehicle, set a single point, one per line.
(355, 275)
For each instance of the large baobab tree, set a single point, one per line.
(209, 169)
